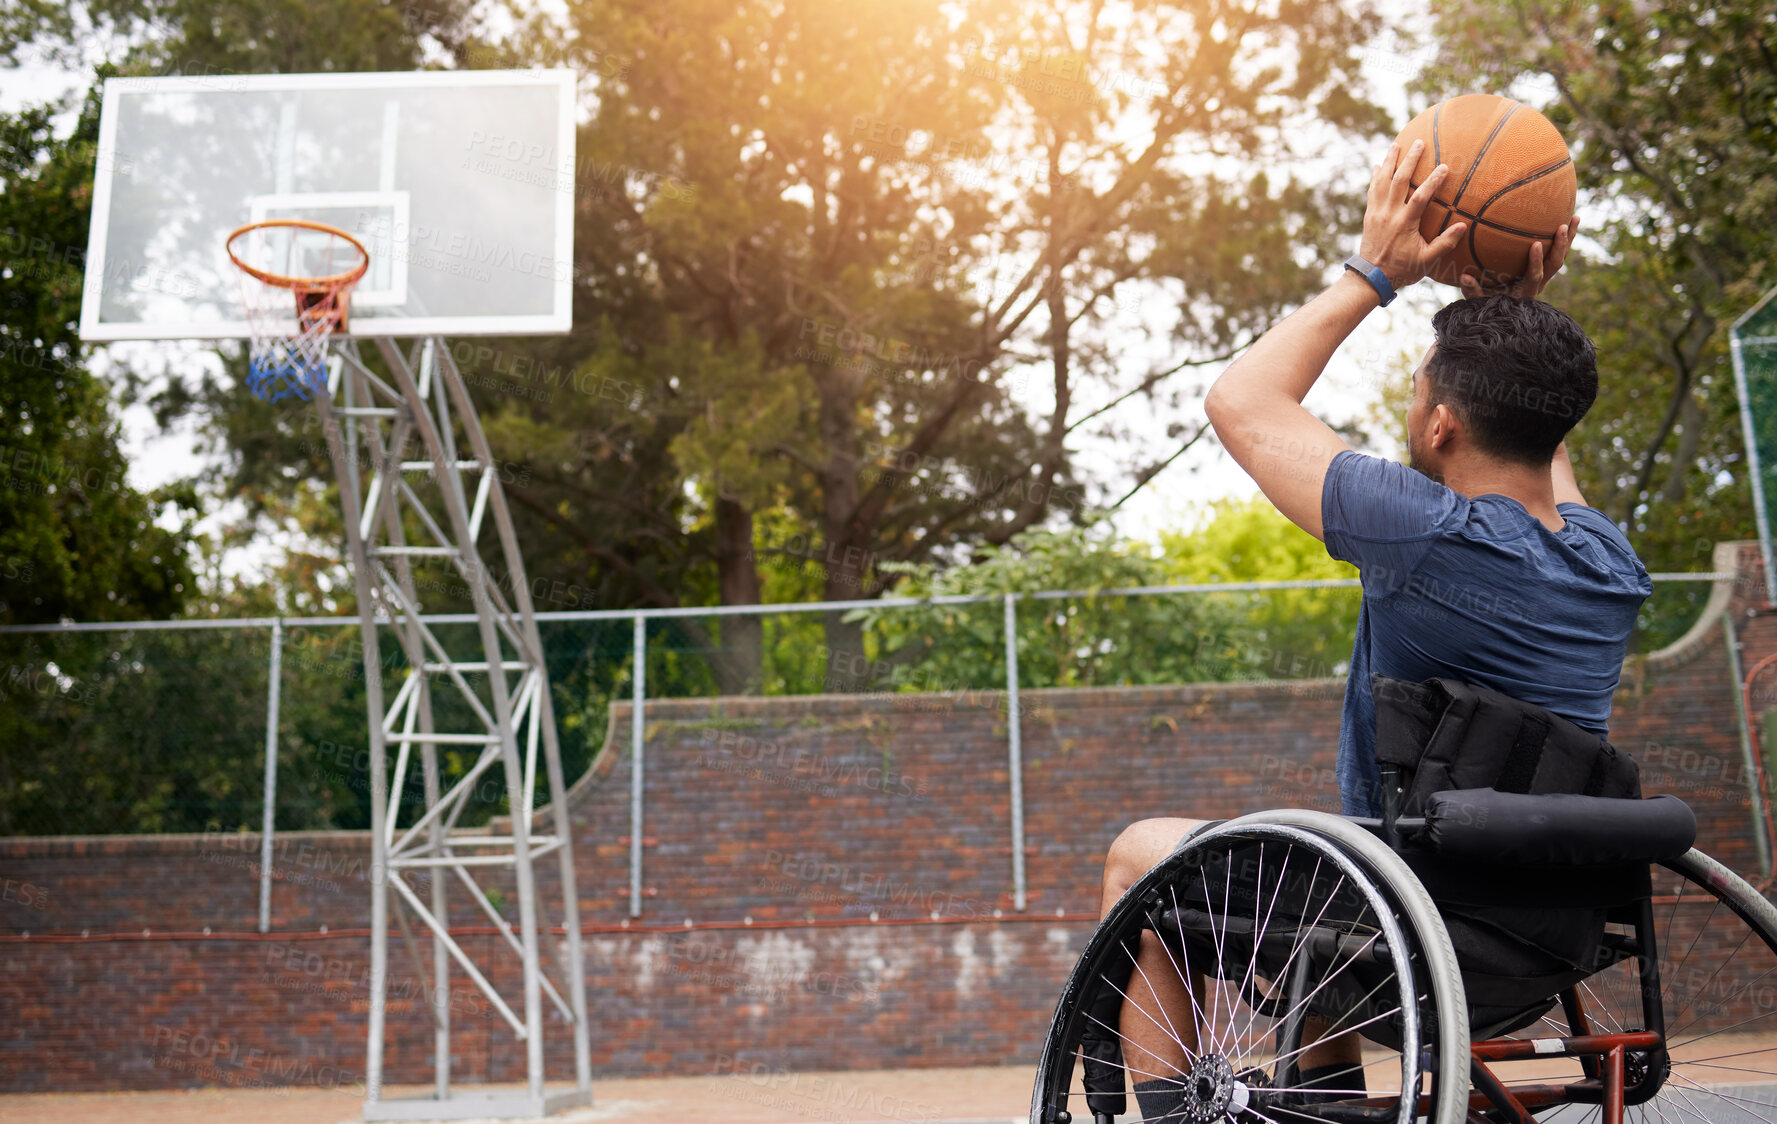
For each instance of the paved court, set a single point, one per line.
(985, 1095)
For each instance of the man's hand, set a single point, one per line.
(1392, 241)
(1538, 275)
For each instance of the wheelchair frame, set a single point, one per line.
(1622, 1068)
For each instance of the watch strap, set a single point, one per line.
(1374, 275)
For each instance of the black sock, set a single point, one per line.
(1340, 1075)
(1161, 1099)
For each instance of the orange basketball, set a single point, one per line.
(1511, 179)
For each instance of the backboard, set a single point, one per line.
(460, 184)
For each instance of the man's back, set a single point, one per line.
(1477, 589)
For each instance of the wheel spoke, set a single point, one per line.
(1677, 968)
(1250, 978)
(1737, 994)
(1313, 877)
(1128, 1002)
(1281, 927)
(1171, 1030)
(1742, 1103)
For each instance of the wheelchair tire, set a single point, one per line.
(1359, 908)
(1716, 938)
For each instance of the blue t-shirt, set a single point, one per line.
(1474, 588)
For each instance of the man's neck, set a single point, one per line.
(1534, 488)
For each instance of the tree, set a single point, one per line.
(208, 37)
(1092, 641)
(1301, 633)
(1671, 112)
(76, 540)
(855, 173)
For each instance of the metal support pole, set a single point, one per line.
(274, 674)
(573, 947)
(1748, 741)
(432, 505)
(342, 448)
(1014, 752)
(635, 766)
(1754, 467)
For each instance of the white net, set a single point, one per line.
(291, 321)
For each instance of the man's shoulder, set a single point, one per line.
(1615, 546)
(1375, 498)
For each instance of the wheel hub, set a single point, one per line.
(1211, 1092)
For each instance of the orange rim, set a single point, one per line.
(308, 284)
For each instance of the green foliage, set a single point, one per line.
(1303, 633)
(133, 731)
(219, 37)
(1094, 640)
(76, 542)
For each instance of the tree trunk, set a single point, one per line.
(739, 664)
(845, 542)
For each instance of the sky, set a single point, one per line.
(1384, 347)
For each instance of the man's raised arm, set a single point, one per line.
(1256, 404)
(1567, 489)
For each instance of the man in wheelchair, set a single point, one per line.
(1298, 968)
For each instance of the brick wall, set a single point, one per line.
(844, 864)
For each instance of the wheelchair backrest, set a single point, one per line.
(1445, 734)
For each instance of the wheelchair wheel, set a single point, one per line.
(1298, 924)
(1714, 981)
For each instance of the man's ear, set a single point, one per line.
(1444, 425)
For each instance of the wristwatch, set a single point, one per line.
(1374, 275)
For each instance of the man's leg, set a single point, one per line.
(1335, 1063)
(1158, 1026)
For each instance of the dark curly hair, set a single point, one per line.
(1518, 373)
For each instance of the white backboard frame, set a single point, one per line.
(558, 321)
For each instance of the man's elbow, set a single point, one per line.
(1223, 409)
(1215, 405)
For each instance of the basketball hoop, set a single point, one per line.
(296, 297)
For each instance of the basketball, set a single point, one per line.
(1511, 179)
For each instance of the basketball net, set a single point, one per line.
(296, 286)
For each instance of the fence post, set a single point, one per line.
(273, 677)
(1751, 741)
(1014, 752)
(635, 767)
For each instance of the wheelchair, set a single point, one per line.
(1518, 937)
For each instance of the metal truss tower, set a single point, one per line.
(399, 512)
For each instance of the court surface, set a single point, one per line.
(983, 1095)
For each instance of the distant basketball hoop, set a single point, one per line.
(296, 295)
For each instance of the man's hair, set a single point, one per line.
(1518, 373)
